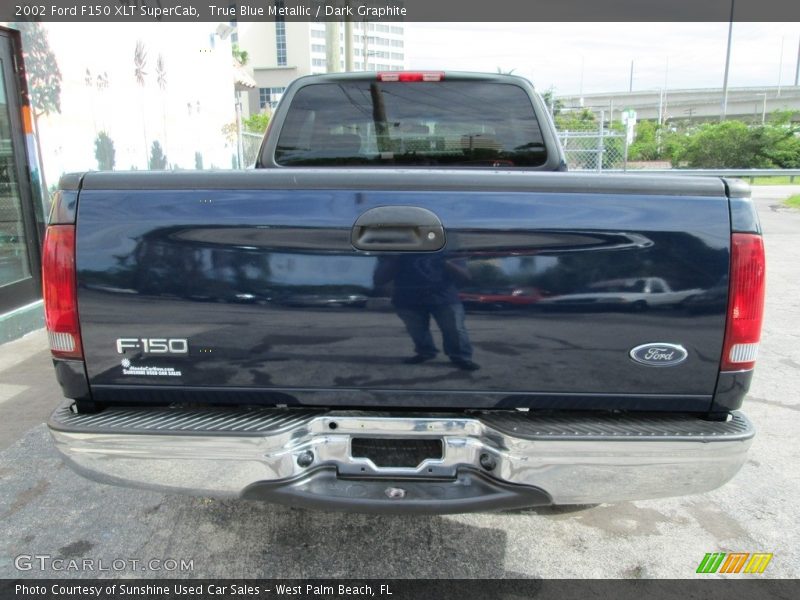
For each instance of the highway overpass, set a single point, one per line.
(698, 104)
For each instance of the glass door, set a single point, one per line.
(19, 243)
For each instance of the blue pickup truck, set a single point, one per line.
(409, 305)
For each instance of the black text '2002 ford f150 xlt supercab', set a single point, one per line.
(407, 305)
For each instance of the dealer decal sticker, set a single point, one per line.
(129, 369)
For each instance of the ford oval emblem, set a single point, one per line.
(659, 355)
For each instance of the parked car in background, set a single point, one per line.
(632, 293)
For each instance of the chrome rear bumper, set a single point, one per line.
(490, 460)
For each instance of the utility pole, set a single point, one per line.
(348, 45)
(600, 145)
(764, 108)
(239, 132)
(365, 49)
(332, 57)
(797, 68)
(664, 111)
(630, 85)
(724, 111)
(780, 66)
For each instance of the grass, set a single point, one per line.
(784, 180)
(793, 201)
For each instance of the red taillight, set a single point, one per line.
(746, 302)
(60, 293)
(410, 76)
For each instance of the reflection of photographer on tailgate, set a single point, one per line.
(425, 287)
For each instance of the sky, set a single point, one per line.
(596, 57)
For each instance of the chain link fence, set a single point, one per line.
(251, 144)
(594, 150)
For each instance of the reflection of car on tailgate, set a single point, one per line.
(635, 293)
(499, 298)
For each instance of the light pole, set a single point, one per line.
(365, 48)
(763, 108)
(727, 66)
(780, 65)
(660, 106)
(664, 102)
(797, 68)
(348, 45)
(630, 84)
(332, 64)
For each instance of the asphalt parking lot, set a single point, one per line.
(46, 509)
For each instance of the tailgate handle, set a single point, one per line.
(398, 228)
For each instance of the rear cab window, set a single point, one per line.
(442, 123)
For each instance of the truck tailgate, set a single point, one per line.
(247, 288)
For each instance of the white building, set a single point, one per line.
(184, 100)
(282, 51)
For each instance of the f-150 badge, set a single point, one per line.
(659, 354)
(153, 345)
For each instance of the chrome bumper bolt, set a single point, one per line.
(488, 462)
(305, 459)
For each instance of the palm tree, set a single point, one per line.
(89, 81)
(102, 86)
(161, 79)
(140, 64)
(161, 72)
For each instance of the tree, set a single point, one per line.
(139, 72)
(101, 83)
(487, 272)
(161, 73)
(240, 55)
(256, 123)
(554, 105)
(726, 145)
(161, 80)
(158, 160)
(784, 146)
(645, 145)
(576, 120)
(44, 82)
(88, 81)
(140, 63)
(104, 152)
(41, 67)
